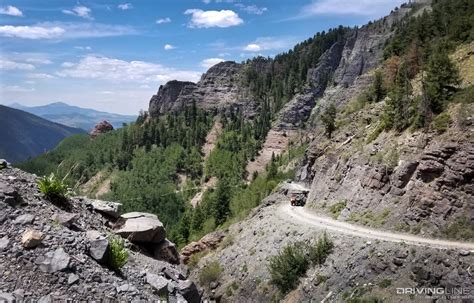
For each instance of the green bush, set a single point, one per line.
(53, 188)
(319, 252)
(292, 263)
(210, 273)
(441, 122)
(118, 254)
(385, 283)
(287, 267)
(336, 209)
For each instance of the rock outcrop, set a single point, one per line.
(101, 128)
(49, 254)
(218, 90)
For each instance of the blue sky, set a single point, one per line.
(113, 55)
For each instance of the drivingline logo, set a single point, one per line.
(456, 292)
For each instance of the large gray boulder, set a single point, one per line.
(166, 251)
(159, 283)
(189, 291)
(98, 245)
(142, 227)
(107, 207)
(53, 261)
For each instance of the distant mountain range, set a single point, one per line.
(24, 135)
(75, 116)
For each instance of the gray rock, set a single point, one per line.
(65, 219)
(53, 261)
(166, 251)
(7, 297)
(189, 291)
(24, 219)
(142, 227)
(464, 253)
(45, 299)
(4, 242)
(106, 207)
(159, 283)
(72, 278)
(98, 245)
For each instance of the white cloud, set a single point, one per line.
(252, 9)
(206, 19)
(31, 32)
(163, 20)
(269, 43)
(116, 70)
(125, 6)
(371, 8)
(6, 64)
(40, 76)
(168, 47)
(207, 63)
(38, 60)
(252, 47)
(80, 11)
(85, 48)
(11, 11)
(65, 30)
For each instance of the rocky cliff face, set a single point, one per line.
(60, 252)
(218, 90)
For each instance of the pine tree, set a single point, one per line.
(397, 109)
(223, 195)
(329, 120)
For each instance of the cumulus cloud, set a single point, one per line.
(206, 19)
(207, 63)
(252, 9)
(168, 47)
(80, 11)
(371, 8)
(31, 32)
(11, 11)
(84, 48)
(269, 43)
(125, 6)
(40, 76)
(121, 71)
(6, 64)
(65, 30)
(163, 20)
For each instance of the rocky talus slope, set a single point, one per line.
(49, 253)
(357, 268)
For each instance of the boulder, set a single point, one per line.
(159, 283)
(106, 207)
(31, 238)
(65, 219)
(142, 227)
(7, 297)
(72, 279)
(98, 245)
(101, 128)
(209, 241)
(4, 242)
(166, 251)
(24, 219)
(53, 261)
(189, 291)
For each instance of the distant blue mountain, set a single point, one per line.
(75, 116)
(25, 135)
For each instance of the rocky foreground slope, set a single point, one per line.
(50, 253)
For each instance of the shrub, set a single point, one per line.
(441, 122)
(385, 283)
(319, 252)
(210, 273)
(287, 267)
(336, 209)
(460, 229)
(118, 255)
(53, 188)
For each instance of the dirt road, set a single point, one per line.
(302, 215)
